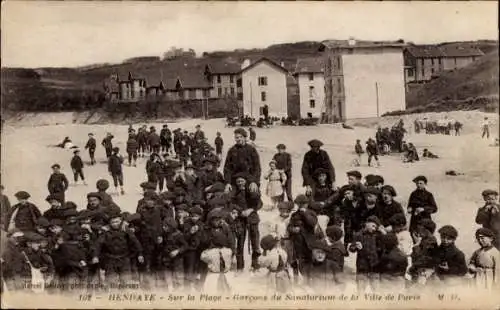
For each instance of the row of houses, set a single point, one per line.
(348, 79)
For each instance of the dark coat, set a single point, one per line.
(26, 217)
(368, 258)
(242, 159)
(117, 243)
(219, 143)
(387, 211)
(313, 161)
(454, 258)
(132, 145)
(489, 218)
(107, 143)
(58, 183)
(393, 263)
(284, 162)
(115, 164)
(154, 139)
(76, 163)
(421, 199)
(5, 208)
(57, 216)
(91, 144)
(172, 241)
(248, 200)
(224, 230)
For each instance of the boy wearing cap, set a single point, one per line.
(115, 162)
(275, 259)
(358, 149)
(321, 191)
(314, 159)
(193, 234)
(284, 162)
(114, 249)
(153, 168)
(367, 244)
(423, 256)
(36, 258)
(154, 140)
(209, 175)
(171, 258)
(485, 261)
(393, 264)
(102, 186)
(450, 261)
(108, 144)
(132, 147)
(23, 215)
(489, 215)
(388, 206)
(336, 251)
(141, 141)
(58, 183)
(249, 202)
(77, 167)
(219, 144)
(91, 145)
(421, 203)
(372, 151)
(320, 273)
(165, 139)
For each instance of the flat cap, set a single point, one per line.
(420, 178)
(489, 192)
(102, 184)
(370, 190)
(268, 242)
(42, 222)
(167, 196)
(315, 143)
(22, 195)
(94, 195)
(373, 219)
(148, 185)
(319, 171)
(301, 199)
(334, 232)
(398, 219)
(485, 232)
(286, 205)
(354, 173)
(448, 231)
(390, 189)
(240, 131)
(196, 210)
(217, 188)
(55, 166)
(281, 146)
(33, 237)
(150, 196)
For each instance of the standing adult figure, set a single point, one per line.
(242, 158)
(314, 159)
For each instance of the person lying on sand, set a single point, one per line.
(66, 144)
(429, 154)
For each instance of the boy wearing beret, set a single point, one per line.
(388, 206)
(485, 261)
(114, 249)
(219, 144)
(193, 233)
(58, 183)
(367, 243)
(321, 270)
(132, 147)
(37, 259)
(91, 146)
(108, 144)
(421, 203)
(77, 167)
(423, 256)
(393, 263)
(284, 162)
(314, 159)
(275, 260)
(450, 261)
(336, 252)
(24, 215)
(115, 162)
(489, 215)
(209, 175)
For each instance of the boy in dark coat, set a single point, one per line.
(284, 162)
(349, 211)
(132, 147)
(393, 263)
(358, 149)
(102, 186)
(388, 206)
(153, 168)
(115, 162)
(209, 175)
(77, 167)
(451, 264)
(24, 215)
(421, 203)
(321, 270)
(367, 244)
(219, 144)
(249, 202)
(314, 159)
(114, 249)
(58, 183)
(489, 215)
(165, 139)
(171, 257)
(242, 158)
(423, 257)
(193, 233)
(336, 252)
(372, 151)
(321, 190)
(108, 144)
(141, 141)
(91, 146)
(154, 140)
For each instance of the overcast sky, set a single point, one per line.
(36, 34)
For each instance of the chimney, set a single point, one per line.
(352, 41)
(246, 63)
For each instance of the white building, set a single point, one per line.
(309, 73)
(264, 83)
(363, 79)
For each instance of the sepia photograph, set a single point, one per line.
(250, 155)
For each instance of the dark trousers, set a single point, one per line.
(59, 195)
(370, 158)
(191, 265)
(254, 239)
(486, 132)
(132, 156)
(142, 147)
(155, 148)
(117, 178)
(108, 152)
(78, 173)
(117, 269)
(288, 187)
(165, 145)
(92, 156)
(162, 181)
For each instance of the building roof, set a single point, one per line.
(309, 65)
(359, 44)
(269, 61)
(458, 50)
(224, 67)
(425, 51)
(445, 50)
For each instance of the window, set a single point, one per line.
(263, 96)
(261, 111)
(225, 91)
(192, 94)
(410, 72)
(206, 93)
(218, 78)
(181, 94)
(262, 80)
(219, 91)
(439, 61)
(311, 76)
(455, 60)
(423, 72)
(238, 83)
(232, 91)
(338, 62)
(311, 91)
(432, 61)
(432, 70)
(312, 103)
(240, 96)
(231, 79)
(339, 86)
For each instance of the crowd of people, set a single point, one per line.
(442, 126)
(197, 213)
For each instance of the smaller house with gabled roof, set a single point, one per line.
(225, 78)
(310, 76)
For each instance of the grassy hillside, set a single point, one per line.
(472, 87)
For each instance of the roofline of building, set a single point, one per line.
(324, 46)
(267, 60)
